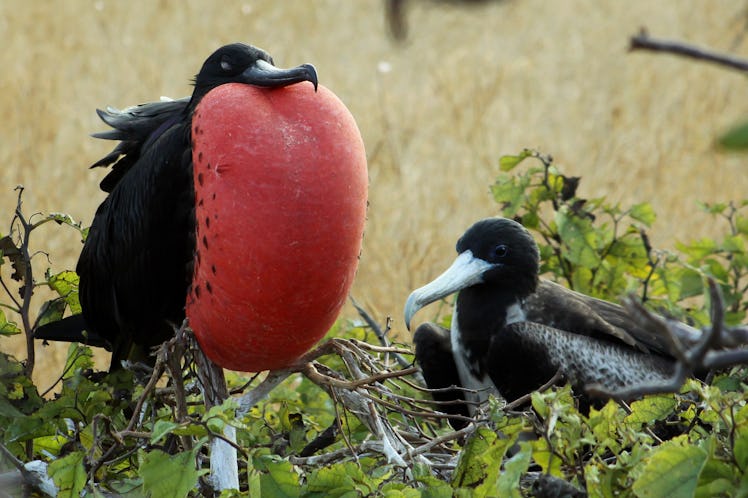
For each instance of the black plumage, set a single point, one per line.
(136, 264)
(511, 331)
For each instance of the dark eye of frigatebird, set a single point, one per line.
(226, 65)
(500, 251)
(236, 58)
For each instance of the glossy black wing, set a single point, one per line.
(136, 128)
(565, 309)
(136, 263)
(525, 355)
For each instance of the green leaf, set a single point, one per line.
(51, 311)
(69, 474)
(691, 284)
(727, 383)
(514, 469)
(471, 468)
(579, 237)
(297, 433)
(508, 163)
(643, 212)
(736, 138)
(650, 409)
(278, 477)
(734, 244)
(434, 487)
(479, 465)
(215, 424)
(672, 470)
(79, 358)
(7, 327)
(717, 478)
(698, 249)
(713, 207)
(161, 429)
(715, 268)
(605, 424)
(539, 404)
(400, 490)
(168, 476)
(531, 220)
(63, 218)
(197, 430)
(509, 193)
(740, 447)
(741, 224)
(66, 284)
(8, 410)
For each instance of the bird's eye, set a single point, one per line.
(226, 65)
(500, 251)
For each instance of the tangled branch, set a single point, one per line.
(372, 387)
(717, 347)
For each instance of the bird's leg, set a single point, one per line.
(224, 469)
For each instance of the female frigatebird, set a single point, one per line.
(192, 171)
(511, 331)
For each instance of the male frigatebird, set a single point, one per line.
(511, 331)
(141, 263)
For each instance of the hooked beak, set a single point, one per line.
(466, 270)
(262, 73)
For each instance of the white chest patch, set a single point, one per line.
(482, 385)
(515, 314)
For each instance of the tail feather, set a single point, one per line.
(71, 329)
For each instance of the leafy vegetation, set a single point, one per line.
(334, 428)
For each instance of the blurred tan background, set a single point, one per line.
(436, 111)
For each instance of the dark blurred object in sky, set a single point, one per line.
(396, 12)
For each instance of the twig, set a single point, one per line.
(356, 400)
(323, 440)
(240, 389)
(364, 393)
(61, 377)
(451, 436)
(413, 413)
(158, 370)
(318, 378)
(133, 434)
(257, 394)
(325, 458)
(642, 41)
(225, 439)
(379, 333)
(382, 349)
(333, 456)
(28, 283)
(173, 354)
(527, 397)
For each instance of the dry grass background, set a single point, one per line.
(469, 85)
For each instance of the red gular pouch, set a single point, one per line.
(281, 189)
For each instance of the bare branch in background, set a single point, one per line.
(643, 41)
